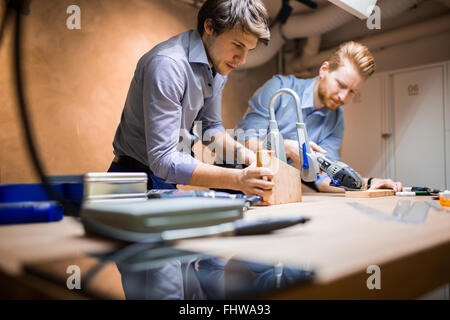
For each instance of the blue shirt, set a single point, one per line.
(173, 87)
(324, 126)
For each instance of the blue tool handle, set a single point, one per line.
(305, 157)
(27, 212)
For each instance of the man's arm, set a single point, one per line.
(163, 86)
(249, 180)
(292, 151)
(162, 93)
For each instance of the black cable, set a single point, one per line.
(4, 21)
(3, 24)
(68, 208)
(309, 3)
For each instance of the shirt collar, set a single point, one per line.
(308, 95)
(197, 52)
(308, 99)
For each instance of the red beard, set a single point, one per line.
(325, 98)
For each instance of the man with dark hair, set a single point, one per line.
(179, 82)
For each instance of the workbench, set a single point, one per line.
(339, 244)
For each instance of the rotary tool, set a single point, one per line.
(341, 174)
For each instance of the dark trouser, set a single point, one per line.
(128, 164)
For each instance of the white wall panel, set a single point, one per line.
(362, 146)
(418, 111)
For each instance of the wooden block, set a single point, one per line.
(370, 193)
(287, 180)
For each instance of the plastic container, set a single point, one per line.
(444, 198)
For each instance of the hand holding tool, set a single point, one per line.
(341, 174)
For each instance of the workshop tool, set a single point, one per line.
(417, 191)
(308, 160)
(274, 140)
(151, 220)
(341, 174)
(167, 219)
(118, 206)
(176, 193)
(425, 191)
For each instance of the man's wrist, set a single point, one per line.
(234, 180)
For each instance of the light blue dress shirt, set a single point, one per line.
(173, 87)
(324, 126)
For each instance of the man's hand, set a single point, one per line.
(292, 151)
(386, 184)
(324, 186)
(251, 182)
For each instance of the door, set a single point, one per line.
(418, 123)
(362, 147)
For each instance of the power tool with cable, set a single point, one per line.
(341, 174)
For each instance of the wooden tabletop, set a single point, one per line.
(339, 243)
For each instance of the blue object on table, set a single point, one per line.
(25, 203)
(26, 212)
(26, 192)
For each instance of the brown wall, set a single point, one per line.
(77, 80)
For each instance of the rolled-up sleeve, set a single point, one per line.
(163, 89)
(256, 120)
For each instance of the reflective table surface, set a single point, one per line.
(164, 272)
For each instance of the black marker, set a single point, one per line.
(252, 227)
